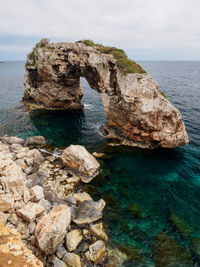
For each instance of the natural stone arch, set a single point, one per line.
(137, 113)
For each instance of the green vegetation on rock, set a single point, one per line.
(125, 64)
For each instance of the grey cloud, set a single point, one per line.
(132, 24)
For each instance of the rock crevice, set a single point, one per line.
(137, 113)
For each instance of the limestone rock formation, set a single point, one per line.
(137, 113)
(50, 231)
(13, 252)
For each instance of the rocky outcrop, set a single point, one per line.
(137, 113)
(80, 162)
(44, 203)
(13, 252)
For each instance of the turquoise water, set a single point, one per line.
(156, 183)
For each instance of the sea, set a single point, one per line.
(145, 190)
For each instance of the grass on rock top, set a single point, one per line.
(124, 63)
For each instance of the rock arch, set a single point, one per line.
(137, 113)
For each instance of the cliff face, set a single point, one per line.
(137, 113)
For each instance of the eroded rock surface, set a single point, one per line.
(51, 229)
(137, 113)
(80, 162)
(13, 252)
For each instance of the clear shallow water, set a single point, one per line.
(156, 183)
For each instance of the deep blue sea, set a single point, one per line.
(142, 188)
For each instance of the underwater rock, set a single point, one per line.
(134, 210)
(137, 113)
(125, 256)
(100, 155)
(168, 253)
(195, 246)
(80, 162)
(181, 226)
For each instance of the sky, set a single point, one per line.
(145, 29)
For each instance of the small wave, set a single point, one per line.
(88, 106)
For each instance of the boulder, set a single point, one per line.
(97, 252)
(13, 140)
(97, 229)
(58, 263)
(51, 229)
(72, 260)
(3, 217)
(80, 162)
(35, 140)
(6, 202)
(13, 252)
(73, 238)
(37, 193)
(30, 212)
(11, 175)
(34, 155)
(88, 211)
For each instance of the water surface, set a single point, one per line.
(155, 183)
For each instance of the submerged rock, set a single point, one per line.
(137, 112)
(51, 229)
(168, 253)
(79, 161)
(195, 246)
(181, 226)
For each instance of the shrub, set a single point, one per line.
(124, 63)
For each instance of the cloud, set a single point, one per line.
(131, 24)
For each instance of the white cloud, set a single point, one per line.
(131, 24)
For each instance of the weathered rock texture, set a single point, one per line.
(80, 162)
(13, 252)
(137, 113)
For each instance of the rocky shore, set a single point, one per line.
(45, 217)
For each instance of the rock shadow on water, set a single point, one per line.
(60, 128)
